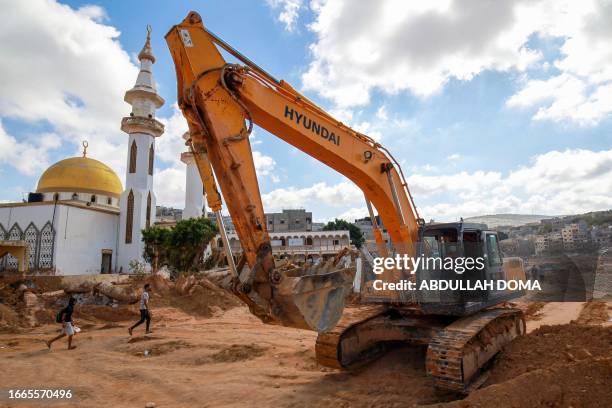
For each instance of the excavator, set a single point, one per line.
(462, 330)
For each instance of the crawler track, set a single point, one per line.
(328, 348)
(458, 351)
(457, 355)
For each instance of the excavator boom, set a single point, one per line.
(221, 103)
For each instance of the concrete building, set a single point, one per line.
(555, 224)
(289, 220)
(312, 244)
(548, 243)
(365, 225)
(80, 220)
(602, 236)
(70, 223)
(575, 236)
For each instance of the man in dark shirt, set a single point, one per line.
(68, 327)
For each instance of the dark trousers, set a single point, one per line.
(144, 316)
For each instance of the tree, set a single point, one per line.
(180, 248)
(354, 231)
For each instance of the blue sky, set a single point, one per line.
(504, 111)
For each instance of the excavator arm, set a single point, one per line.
(221, 103)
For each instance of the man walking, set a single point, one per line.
(65, 317)
(145, 314)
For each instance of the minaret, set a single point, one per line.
(137, 202)
(194, 190)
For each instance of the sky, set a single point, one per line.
(490, 107)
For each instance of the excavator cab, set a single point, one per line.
(470, 257)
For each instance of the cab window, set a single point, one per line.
(493, 252)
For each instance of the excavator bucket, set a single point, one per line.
(313, 302)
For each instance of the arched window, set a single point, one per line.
(109, 201)
(93, 198)
(55, 196)
(309, 241)
(75, 196)
(133, 154)
(148, 210)
(129, 220)
(151, 156)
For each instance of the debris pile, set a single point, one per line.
(30, 302)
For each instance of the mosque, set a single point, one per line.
(80, 219)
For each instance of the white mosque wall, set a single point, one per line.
(24, 214)
(82, 236)
(75, 244)
(100, 199)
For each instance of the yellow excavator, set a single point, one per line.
(462, 330)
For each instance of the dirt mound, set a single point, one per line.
(106, 313)
(549, 346)
(581, 384)
(593, 313)
(238, 352)
(198, 297)
(8, 317)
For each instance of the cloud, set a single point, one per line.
(454, 157)
(557, 182)
(553, 183)
(67, 71)
(289, 11)
(342, 194)
(169, 186)
(410, 46)
(28, 157)
(420, 46)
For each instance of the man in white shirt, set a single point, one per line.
(145, 314)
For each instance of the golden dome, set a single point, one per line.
(80, 174)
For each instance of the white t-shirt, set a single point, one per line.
(143, 298)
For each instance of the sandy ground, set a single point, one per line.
(556, 313)
(230, 359)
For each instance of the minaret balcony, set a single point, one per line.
(139, 124)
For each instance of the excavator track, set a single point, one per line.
(328, 349)
(457, 355)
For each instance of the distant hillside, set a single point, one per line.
(513, 220)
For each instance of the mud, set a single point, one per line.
(207, 350)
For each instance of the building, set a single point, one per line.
(602, 236)
(549, 243)
(367, 229)
(575, 236)
(553, 224)
(313, 244)
(523, 247)
(289, 220)
(291, 233)
(165, 214)
(80, 219)
(70, 223)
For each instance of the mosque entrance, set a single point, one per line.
(107, 258)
